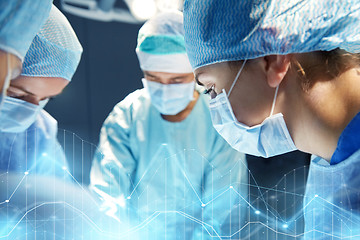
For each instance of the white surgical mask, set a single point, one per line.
(169, 99)
(267, 139)
(17, 115)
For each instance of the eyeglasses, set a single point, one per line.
(211, 91)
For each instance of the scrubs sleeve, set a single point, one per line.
(51, 160)
(224, 193)
(114, 163)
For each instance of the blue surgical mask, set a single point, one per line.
(267, 139)
(17, 115)
(169, 99)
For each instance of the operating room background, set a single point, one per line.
(109, 71)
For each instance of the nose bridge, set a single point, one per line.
(33, 99)
(165, 80)
(37, 101)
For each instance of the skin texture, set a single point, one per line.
(174, 78)
(15, 67)
(35, 89)
(315, 117)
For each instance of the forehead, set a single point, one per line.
(214, 73)
(167, 75)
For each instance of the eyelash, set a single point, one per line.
(208, 91)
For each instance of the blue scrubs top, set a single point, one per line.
(332, 198)
(36, 150)
(146, 165)
(349, 141)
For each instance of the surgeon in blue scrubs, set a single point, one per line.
(284, 75)
(20, 20)
(159, 159)
(28, 134)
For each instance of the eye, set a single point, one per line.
(150, 78)
(177, 80)
(207, 91)
(15, 93)
(211, 91)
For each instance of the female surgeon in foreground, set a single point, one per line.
(285, 75)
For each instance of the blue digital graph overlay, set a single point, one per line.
(58, 205)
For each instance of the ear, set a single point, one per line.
(276, 68)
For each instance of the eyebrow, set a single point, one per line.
(32, 94)
(172, 78)
(197, 79)
(23, 90)
(146, 73)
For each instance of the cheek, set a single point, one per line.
(3, 74)
(218, 84)
(15, 70)
(241, 110)
(251, 105)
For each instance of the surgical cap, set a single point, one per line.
(20, 20)
(218, 31)
(161, 44)
(55, 50)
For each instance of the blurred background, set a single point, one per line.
(108, 71)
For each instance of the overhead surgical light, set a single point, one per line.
(98, 10)
(137, 11)
(165, 5)
(142, 9)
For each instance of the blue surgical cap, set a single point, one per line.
(20, 20)
(55, 50)
(161, 45)
(218, 30)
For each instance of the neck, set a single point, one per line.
(184, 113)
(323, 112)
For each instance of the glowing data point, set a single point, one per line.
(316, 195)
(231, 187)
(257, 212)
(7, 201)
(26, 173)
(285, 226)
(128, 197)
(203, 205)
(44, 154)
(64, 168)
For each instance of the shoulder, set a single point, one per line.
(134, 99)
(45, 124)
(130, 108)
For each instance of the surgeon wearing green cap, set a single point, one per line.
(159, 154)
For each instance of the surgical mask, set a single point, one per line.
(169, 99)
(267, 139)
(17, 115)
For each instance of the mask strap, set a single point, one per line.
(273, 103)
(237, 77)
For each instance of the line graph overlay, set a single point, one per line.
(51, 207)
